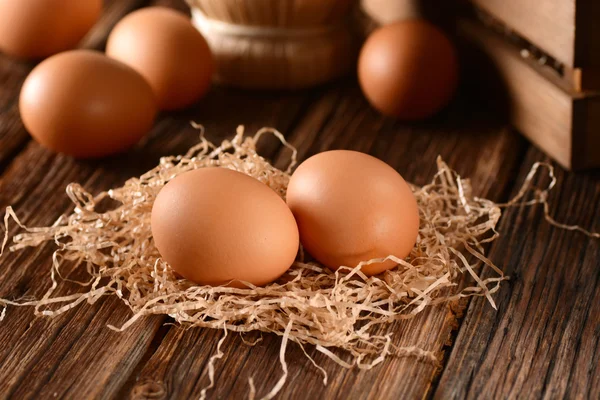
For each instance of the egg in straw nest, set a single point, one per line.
(345, 314)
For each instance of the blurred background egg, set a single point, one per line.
(163, 46)
(352, 207)
(215, 225)
(85, 104)
(33, 29)
(408, 69)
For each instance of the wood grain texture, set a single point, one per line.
(549, 304)
(76, 355)
(36, 348)
(548, 24)
(49, 349)
(340, 118)
(545, 340)
(553, 116)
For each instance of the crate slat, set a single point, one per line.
(549, 24)
(566, 30)
(561, 121)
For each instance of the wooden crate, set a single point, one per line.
(567, 30)
(547, 53)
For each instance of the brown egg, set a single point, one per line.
(352, 207)
(39, 28)
(408, 69)
(215, 225)
(85, 104)
(163, 46)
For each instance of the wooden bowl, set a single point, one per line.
(280, 13)
(294, 44)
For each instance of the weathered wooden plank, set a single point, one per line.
(49, 349)
(340, 118)
(39, 357)
(544, 341)
(12, 74)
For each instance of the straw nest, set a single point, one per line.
(310, 305)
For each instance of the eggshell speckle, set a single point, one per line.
(163, 46)
(85, 104)
(39, 28)
(408, 69)
(215, 225)
(352, 207)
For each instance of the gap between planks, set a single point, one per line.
(544, 340)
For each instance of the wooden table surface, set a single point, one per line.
(543, 342)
